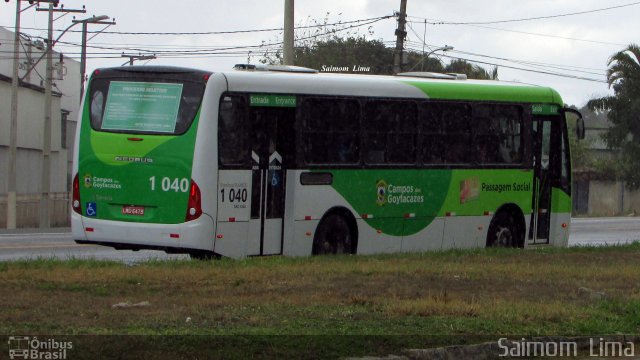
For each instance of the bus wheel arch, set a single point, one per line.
(336, 233)
(507, 227)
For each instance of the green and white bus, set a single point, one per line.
(288, 161)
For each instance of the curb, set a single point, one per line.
(52, 230)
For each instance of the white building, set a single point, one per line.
(30, 140)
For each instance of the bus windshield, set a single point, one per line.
(144, 104)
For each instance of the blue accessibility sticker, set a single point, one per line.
(91, 209)
(275, 178)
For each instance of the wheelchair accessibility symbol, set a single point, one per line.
(275, 179)
(91, 209)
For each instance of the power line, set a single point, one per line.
(550, 36)
(524, 69)
(225, 32)
(574, 68)
(531, 64)
(531, 18)
(265, 48)
(247, 47)
(536, 34)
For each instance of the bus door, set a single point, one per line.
(542, 180)
(272, 138)
(552, 182)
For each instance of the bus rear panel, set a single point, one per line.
(134, 158)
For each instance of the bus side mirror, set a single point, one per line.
(580, 128)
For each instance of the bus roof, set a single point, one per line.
(166, 71)
(388, 86)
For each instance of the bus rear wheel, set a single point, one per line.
(333, 236)
(503, 231)
(203, 255)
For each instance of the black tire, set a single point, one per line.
(333, 236)
(504, 231)
(203, 255)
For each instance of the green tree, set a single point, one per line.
(347, 53)
(416, 62)
(359, 51)
(323, 42)
(623, 77)
(472, 71)
(309, 33)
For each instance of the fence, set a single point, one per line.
(28, 210)
(604, 198)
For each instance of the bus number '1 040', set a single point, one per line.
(168, 184)
(237, 195)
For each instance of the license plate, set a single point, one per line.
(133, 210)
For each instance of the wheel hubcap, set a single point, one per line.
(504, 237)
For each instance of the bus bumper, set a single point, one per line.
(196, 234)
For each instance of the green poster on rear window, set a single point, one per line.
(142, 106)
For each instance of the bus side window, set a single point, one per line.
(511, 149)
(433, 143)
(331, 129)
(390, 132)
(189, 104)
(497, 132)
(98, 93)
(232, 131)
(487, 140)
(457, 123)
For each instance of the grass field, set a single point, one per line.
(325, 307)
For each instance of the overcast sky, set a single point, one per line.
(562, 45)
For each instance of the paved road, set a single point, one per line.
(604, 231)
(59, 244)
(25, 244)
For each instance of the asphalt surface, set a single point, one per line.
(604, 231)
(57, 243)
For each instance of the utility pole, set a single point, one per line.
(45, 220)
(400, 35)
(13, 128)
(45, 186)
(132, 58)
(83, 57)
(288, 33)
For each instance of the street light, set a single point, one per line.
(425, 57)
(83, 57)
(92, 19)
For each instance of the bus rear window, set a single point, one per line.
(144, 107)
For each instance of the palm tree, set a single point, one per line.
(623, 76)
(624, 66)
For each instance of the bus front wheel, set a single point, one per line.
(333, 236)
(503, 231)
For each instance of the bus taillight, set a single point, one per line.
(194, 207)
(76, 195)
